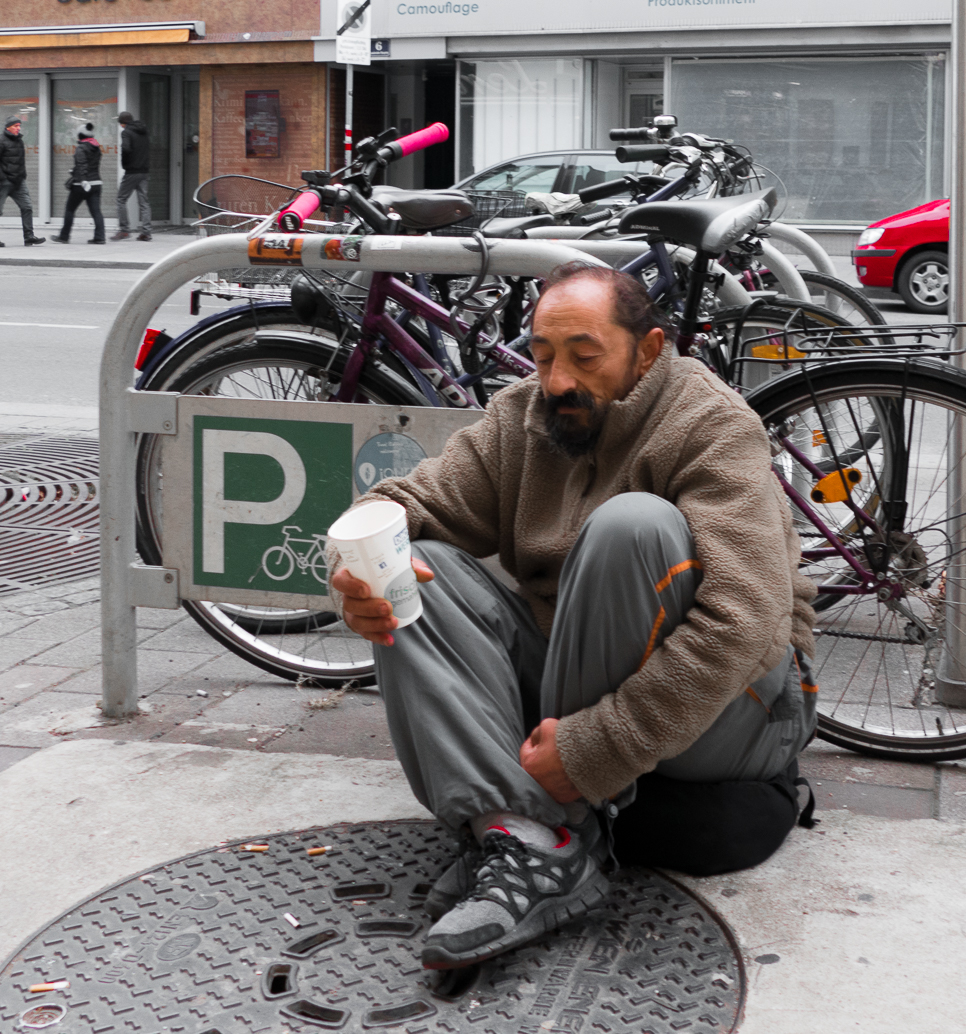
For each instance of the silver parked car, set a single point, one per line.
(548, 171)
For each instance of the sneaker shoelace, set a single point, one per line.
(515, 876)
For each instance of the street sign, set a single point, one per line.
(264, 480)
(352, 46)
(380, 48)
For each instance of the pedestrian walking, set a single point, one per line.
(84, 184)
(13, 178)
(135, 161)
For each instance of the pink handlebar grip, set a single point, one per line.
(291, 218)
(437, 133)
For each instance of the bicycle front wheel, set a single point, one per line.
(901, 428)
(310, 647)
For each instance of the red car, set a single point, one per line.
(909, 253)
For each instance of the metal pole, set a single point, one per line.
(951, 673)
(349, 83)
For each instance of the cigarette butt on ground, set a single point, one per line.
(260, 848)
(291, 919)
(313, 851)
(51, 985)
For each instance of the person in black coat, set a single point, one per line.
(13, 178)
(135, 161)
(84, 184)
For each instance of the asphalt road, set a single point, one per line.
(53, 322)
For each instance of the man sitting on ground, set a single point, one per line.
(655, 654)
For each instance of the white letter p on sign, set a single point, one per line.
(217, 511)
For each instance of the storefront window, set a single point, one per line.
(77, 101)
(852, 140)
(18, 97)
(509, 108)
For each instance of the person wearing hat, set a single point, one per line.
(135, 161)
(84, 184)
(13, 178)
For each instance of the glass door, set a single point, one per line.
(189, 160)
(156, 115)
(643, 95)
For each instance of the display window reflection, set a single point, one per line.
(75, 103)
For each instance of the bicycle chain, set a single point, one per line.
(867, 636)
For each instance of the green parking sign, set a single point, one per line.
(264, 495)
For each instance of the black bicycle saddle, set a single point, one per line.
(424, 209)
(711, 226)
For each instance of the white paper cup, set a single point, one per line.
(374, 543)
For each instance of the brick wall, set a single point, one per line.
(301, 90)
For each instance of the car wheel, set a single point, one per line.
(923, 282)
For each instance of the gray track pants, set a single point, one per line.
(465, 684)
(134, 182)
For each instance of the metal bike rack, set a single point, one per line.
(951, 669)
(125, 413)
(805, 245)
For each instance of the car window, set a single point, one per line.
(539, 174)
(599, 168)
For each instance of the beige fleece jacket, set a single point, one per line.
(499, 487)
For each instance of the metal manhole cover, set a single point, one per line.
(48, 511)
(209, 944)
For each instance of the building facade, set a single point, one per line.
(222, 88)
(843, 100)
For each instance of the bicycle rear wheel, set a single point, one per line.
(846, 301)
(877, 646)
(310, 647)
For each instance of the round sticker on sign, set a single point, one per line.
(389, 455)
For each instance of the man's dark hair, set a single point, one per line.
(632, 306)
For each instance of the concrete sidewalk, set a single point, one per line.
(859, 924)
(128, 254)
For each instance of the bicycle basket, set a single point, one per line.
(486, 205)
(244, 196)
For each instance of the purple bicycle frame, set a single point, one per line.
(378, 323)
(869, 580)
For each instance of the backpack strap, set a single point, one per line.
(805, 819)
(788, 782)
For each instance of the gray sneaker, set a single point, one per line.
(456, 882)
(521, 892)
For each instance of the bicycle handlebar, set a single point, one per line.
(658, 153)
(607, 189)
(631, 134)
(294, 214)
(292, 217)
(437, 133)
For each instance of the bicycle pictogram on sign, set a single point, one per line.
(279, 562)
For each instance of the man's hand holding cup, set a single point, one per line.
(367, 615)
(378, 581)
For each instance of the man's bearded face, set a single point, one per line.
(585, 361)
